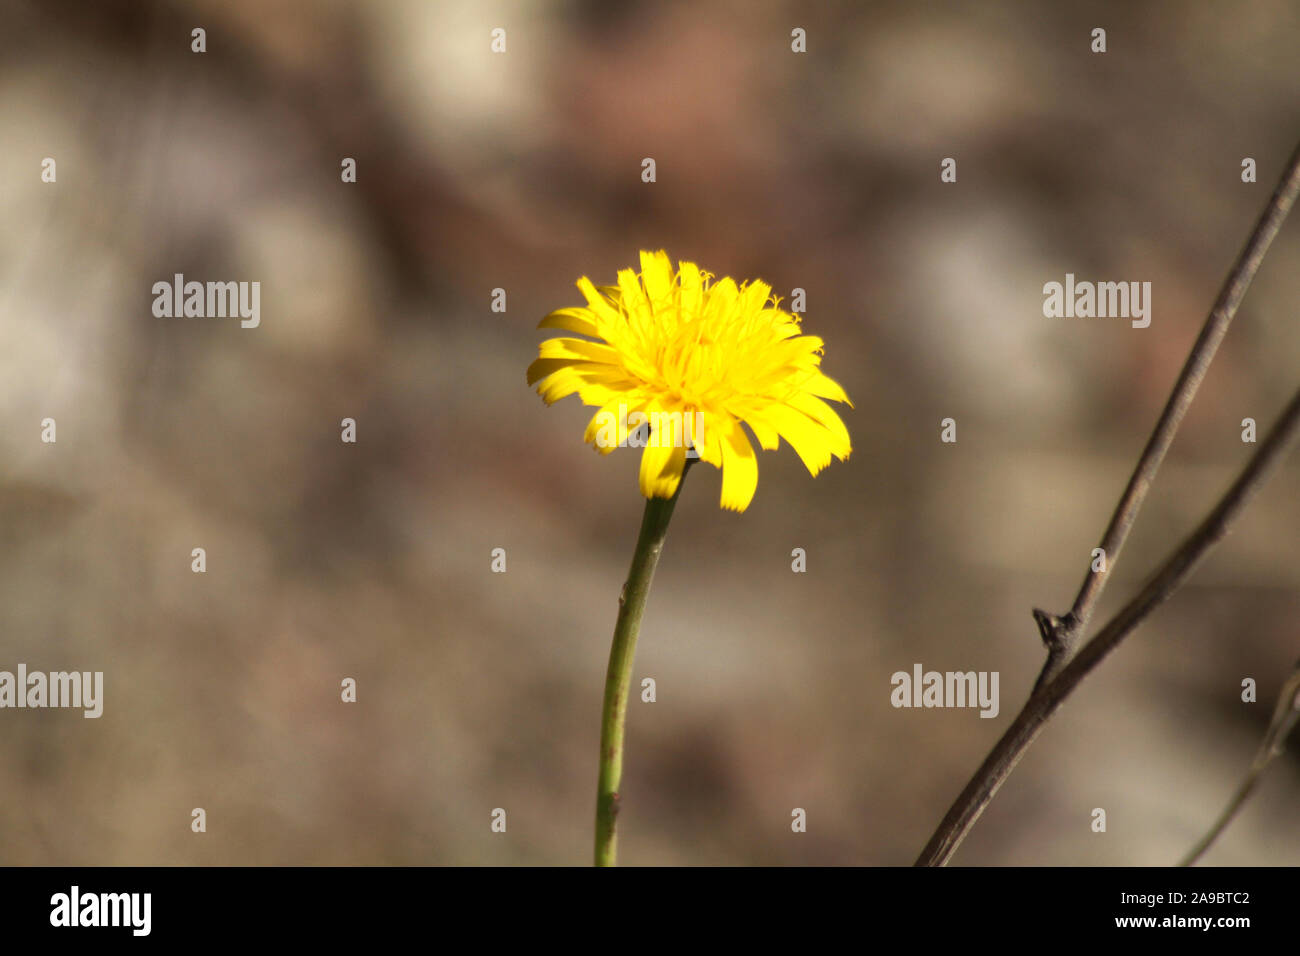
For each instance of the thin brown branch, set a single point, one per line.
(1285, 715)
(1062, 634)
(1170, 576)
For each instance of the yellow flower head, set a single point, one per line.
(692, 359)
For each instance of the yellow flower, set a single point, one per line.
(692, 359)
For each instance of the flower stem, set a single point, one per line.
(618, 679)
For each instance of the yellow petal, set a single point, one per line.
(810, 441)
(608, 428)
(739, 469)
(826, 387)
(558, 378)
(579, 350)
(722, 297)
(768, 439)
(598, 303)
(753, 296)
(825, 416)
(544, 367)
(661, 469)
(633, 296)
(582, 321)
(692, 285)
(708, 439)
(657, 276)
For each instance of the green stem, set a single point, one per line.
(618, 679)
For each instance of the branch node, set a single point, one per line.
(1055, 631)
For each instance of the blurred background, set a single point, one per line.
(522, 171)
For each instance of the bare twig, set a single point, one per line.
(1063, 634)
(1284, 720)
(1041, 705)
